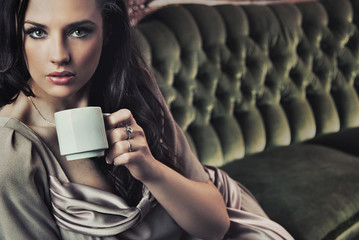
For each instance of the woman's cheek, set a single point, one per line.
(35, 57)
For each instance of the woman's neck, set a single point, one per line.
(39, 111)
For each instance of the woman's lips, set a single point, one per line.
(61, 78)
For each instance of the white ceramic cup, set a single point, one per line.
(81, 133)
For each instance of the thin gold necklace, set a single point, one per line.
(38, 111)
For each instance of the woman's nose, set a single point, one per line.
(60, 54)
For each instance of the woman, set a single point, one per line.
(61, 54)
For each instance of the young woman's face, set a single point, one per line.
(62, 43)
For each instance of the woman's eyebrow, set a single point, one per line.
(71, 25)
(35, 24)
(79, 23)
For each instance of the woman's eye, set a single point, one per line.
(36, 33)
(79, 33)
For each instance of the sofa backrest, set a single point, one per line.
(242, 79)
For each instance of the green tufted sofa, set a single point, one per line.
(269, 93)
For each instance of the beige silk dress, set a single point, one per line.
(38, 202)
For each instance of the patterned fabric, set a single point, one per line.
(137, 9)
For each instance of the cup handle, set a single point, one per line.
(105, 115)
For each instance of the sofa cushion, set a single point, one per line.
(345, 140)
(311, 190)
(242, 79)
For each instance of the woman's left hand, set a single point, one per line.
(128, 145)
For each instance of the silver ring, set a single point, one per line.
(129, 146)
(128, 130)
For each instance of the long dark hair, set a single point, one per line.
(13, 71)
(121, 80)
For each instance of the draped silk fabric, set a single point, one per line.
(82, 212)
(92, 211)
(88, 210)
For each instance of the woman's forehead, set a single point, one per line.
(51, 11)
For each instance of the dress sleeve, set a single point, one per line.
(24, 193)
(193, 169)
